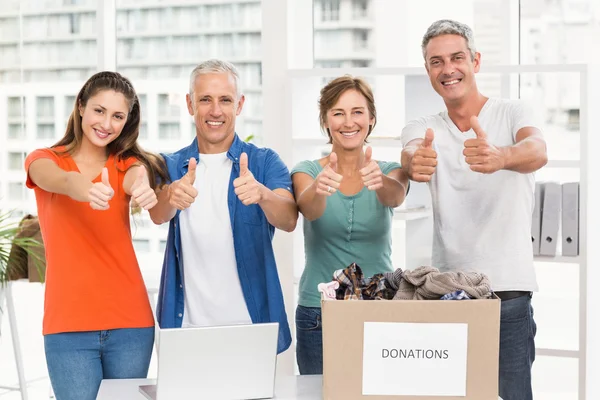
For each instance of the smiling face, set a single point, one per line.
(214, 106)
(348, 120)
(103, 117)
(450, 67)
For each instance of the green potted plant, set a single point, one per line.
(21, 250)
(21, 253)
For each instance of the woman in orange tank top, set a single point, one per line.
(97, 318)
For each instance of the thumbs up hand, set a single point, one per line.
(244, 171)
(182, 192)
(424, 160)
(141, 192)
(247, 188)
(371, 172)
(328, 181)
(101, 192)
(480, 154)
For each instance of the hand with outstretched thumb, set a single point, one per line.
(182, 192)
(371, 174)
(428, 140)
(190, 176)
(328, 181)
(368, 156)
(480, 154)
(424, 160)
(105, 180)
(479, 132)
(244, 165)
(333, 161)
(141, 176)
(101, 192)
(141, 192)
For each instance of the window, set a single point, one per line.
(16, 191)
(45, 107)
(143, 130)
(168, 105)
(16, 107)
(182, 35)
(360, 63)
(16, 160)
(143, 104)
(361, 40)
(330, 10)
(162, 245)
(45, 131)
(557, 33)
(16, 131)
(360, 9)
(328, 64)
(168, 131)
(141, 245)
(69, 105)
(57, 37)
(74, 23)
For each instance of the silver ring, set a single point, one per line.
(328, 189)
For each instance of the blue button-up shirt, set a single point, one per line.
(252, 240)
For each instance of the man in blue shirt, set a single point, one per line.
(225, 199)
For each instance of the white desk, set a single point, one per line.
(306, 387)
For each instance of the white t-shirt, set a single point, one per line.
(212, 291)
(482, 222)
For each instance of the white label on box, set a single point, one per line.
(415, 359)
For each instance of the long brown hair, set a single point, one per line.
(331, 93)
(126, 144)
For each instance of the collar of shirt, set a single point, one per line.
(233, 154)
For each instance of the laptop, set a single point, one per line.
(219, 362)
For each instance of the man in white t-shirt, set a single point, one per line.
(478, 158)
(223, 202)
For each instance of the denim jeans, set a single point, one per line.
(517, 348)
(309, 340)
(78, 361)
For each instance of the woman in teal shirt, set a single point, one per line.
(347, 200)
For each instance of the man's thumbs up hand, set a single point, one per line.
(244, 165)
(247, 188)
(480, 154)
(424, 160)
(182, 192)
(190, 175)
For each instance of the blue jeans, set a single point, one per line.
(517, 348)
(78, 361)
(309, 340)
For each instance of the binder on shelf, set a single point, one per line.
(536, 218)
(550, 218)
(570, 219)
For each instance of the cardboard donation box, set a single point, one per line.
(411, 349)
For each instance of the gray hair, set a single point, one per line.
(449, 27)
(216, 66)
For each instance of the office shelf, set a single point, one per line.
(412, 214)
(558, 259)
